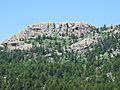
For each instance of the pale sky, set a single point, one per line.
(15, 15)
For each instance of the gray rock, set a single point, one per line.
(49, 29)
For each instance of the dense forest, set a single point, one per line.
(52, 65)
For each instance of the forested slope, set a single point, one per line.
(67, 61)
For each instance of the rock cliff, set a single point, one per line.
(49, 29)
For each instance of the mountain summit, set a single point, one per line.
(48, 29)
(61, 56)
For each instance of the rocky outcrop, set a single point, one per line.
(83, 44)
(49, 29)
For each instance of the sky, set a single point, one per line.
(15, 15)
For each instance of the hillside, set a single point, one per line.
(61, 56)
(59, 30)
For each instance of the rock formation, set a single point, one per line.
(49, 29)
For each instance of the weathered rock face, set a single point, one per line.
(83, 44)
(1, 46)
(50, 29)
